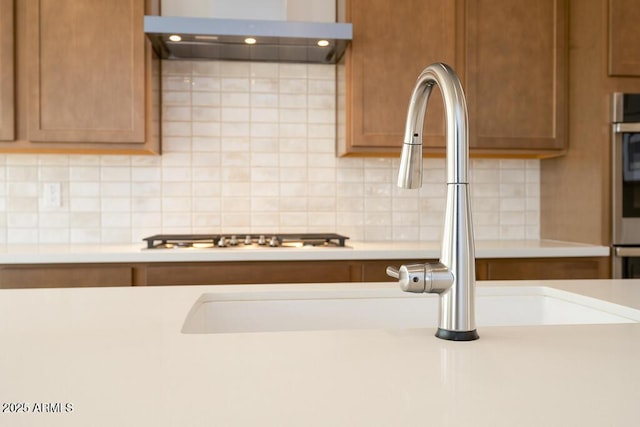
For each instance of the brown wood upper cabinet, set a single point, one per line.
(624, 33)
(510, 55)
(6, 71)
(516, 76)
(84, 77)
(392, 43)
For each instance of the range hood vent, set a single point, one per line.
(275, 41)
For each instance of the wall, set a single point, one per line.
(249, 147)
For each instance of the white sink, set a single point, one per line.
(387, 308)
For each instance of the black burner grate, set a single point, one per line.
(163, 241)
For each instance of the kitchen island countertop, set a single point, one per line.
(116, 356)
(123, 253)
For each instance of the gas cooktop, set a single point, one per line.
(208, 241)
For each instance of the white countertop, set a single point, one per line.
(118, 357)
(37, 254)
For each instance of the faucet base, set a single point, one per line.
(457, 335)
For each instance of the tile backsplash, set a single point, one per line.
(250, 147)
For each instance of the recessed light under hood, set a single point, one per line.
(275, 41)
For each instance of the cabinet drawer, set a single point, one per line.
(511, 268)
(253, 272)
(543, 268)
(53, 276)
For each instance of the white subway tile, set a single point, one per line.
(174, 205)
(22, 220)
(115, 204)
(206, 84)
(321, 204)
(80, 220)
(247, 147)
(293, 189)
(265, 189)
(229, 129)
(235, 114)
(262, 100)
(293, 219)
(293, 204)
(265, 221)
(324, 220)
(116, 220)
(264, 85)
(53, 235)
(293, 85)
(295, 100)
(293, 115)
(265, 204)
(293, 71)
(51, 220)
(205, 114)
(236, 189)
(176, 83)
(178, 67)
(293, 130)
(84, 204)
(206, 129)
(321, 71)
(176, 98)
(264, 130)
(207, 99)
(205, 223)
(83, 235)
(173, 145)
(265, 69)
(147, 220)
(293, 174)
(322, 87)
(206, 68)
(115, 189)
(236, 220)
(234, 69)
(234, 84)
(266, 115)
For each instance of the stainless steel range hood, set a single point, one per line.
(275, 41)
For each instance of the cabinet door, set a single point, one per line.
(86, 71)
(516, 74)
(393, 41)
(7, 107)
(624, 33)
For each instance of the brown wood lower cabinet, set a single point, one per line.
(265, 272)
(65, 275)
(514, 268)
(247, 272)
(543, 268)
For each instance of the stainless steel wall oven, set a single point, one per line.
(626, 185)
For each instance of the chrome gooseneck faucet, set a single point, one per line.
(453, 277)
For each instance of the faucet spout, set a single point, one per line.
(453, 277)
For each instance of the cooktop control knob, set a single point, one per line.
(233, 241)
(273, 241)
(248, 240)
(222, 242)
(262, 240)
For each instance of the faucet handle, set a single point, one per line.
(410, 277)
(419, 278)
(393, 272)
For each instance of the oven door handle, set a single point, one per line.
(628, 252)
(626, 127)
